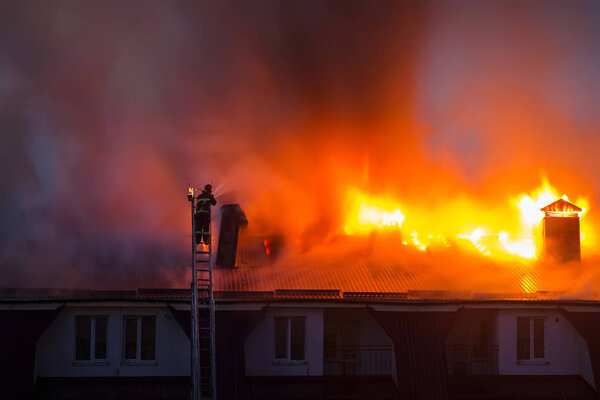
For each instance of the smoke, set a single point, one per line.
(510, 89)
(109, 110)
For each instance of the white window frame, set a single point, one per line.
(288, 343)
(138, 344)
(532, 360)
(93, 359)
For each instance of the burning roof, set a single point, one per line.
(414, 116)
(561, 206)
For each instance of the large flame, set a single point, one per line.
(490, 234)
(369, 213)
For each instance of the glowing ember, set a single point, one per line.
(416, 242)
(475, 238)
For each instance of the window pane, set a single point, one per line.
(523, 342)
(100, 345)
(538, 338)
(148, 338)
(130, 338)
(481, 347)
(83, 333)
(281, 327)
(297, 350)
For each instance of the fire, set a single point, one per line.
(498, 236)
(529, 207)
(475, 239)
(367, 214)
(523, 247)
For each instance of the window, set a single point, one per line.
(139, 338)
(289, 338)
(90, 338)
(530, 338)
(481, 347)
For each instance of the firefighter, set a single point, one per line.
(205, 200)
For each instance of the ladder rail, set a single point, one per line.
(194, 307)
(204, 387)
(211, 313)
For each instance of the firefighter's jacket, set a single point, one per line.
(205, 200)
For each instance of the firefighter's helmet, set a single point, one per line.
(208, 188)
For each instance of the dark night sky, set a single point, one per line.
(109, 109)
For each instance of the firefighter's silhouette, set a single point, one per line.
(203, 204)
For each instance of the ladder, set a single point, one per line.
(203, 315)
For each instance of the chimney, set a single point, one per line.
(561, 231)
(232, 219)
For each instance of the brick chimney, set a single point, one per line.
(232, 219)
(561, 231)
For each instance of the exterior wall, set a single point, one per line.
(260, 345)
(56, 347)
(472, 343)
(566, 352)
(369, 331)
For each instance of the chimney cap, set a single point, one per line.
(561, 206)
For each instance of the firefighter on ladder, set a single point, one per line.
(204, 202)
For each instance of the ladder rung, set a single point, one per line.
(202, 252)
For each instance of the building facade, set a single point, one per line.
(306, 344)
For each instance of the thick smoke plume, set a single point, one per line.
(108, 110)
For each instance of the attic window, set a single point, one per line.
(90, 338)
(530, 339)
(139, 338)
(289, 338)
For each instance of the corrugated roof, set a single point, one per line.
(366, 276)
(353, 276)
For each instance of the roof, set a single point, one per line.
(364, 274)
(561, 206)
(407, 274)
(61, 294)
(175, 295)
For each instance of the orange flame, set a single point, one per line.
(498, 237)
(367, 214)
